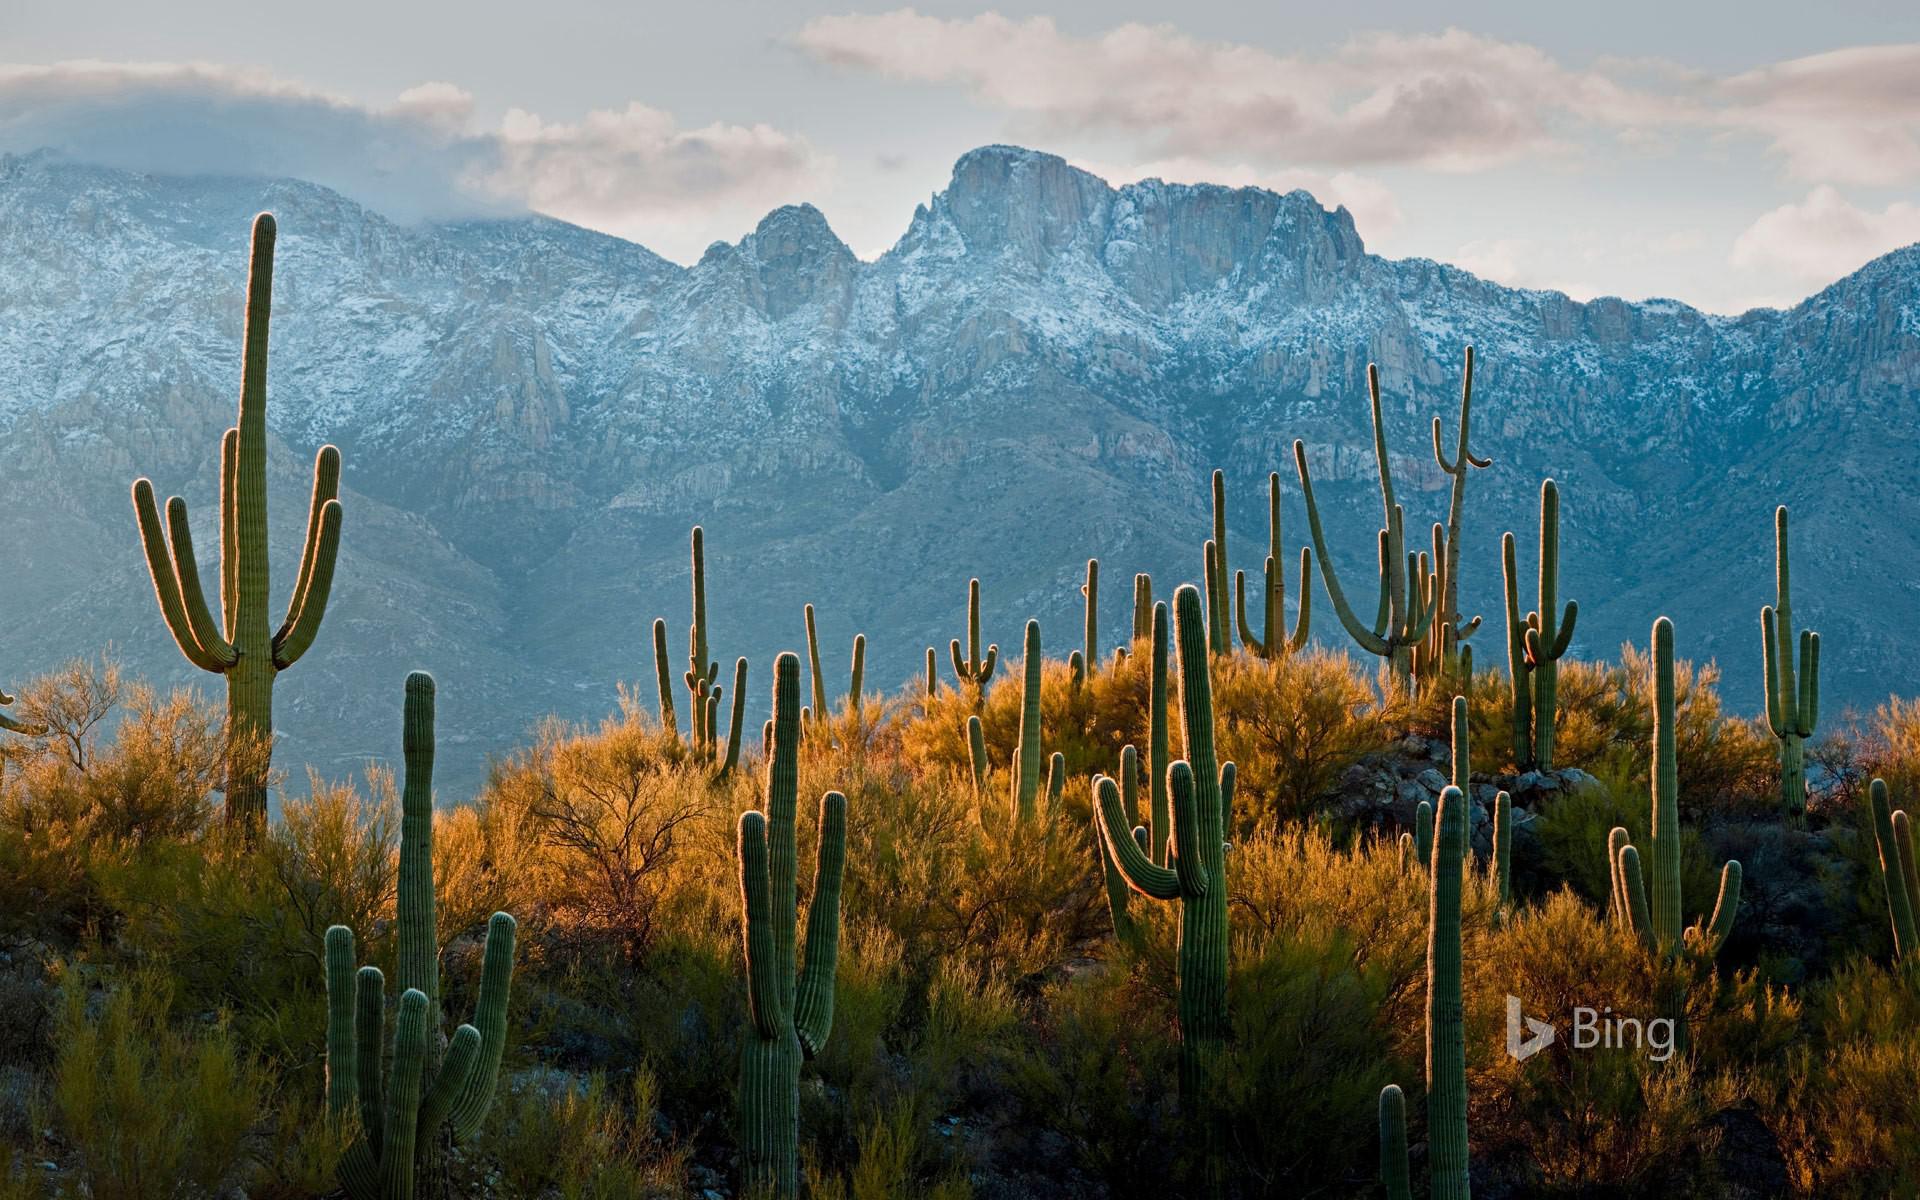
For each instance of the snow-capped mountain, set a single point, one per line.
(1043, 369)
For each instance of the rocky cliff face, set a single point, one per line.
(1043, 369)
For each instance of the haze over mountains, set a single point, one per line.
(1043, 369)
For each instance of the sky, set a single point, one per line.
(1727, 155)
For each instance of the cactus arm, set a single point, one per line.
(1393, 1129)
(343, 1081)
(166, 584)
(1776, 718)
(1462, 760)
(973, 622)
(1423, 831)
(1380, 442)
(403, 1095)
(1783, 605)
(1725, 906)
(1056, 777)
(1091, 590)
(1240, 609)
(1568, 616)
(1439, 455)
(1303, 620)
(326, 486)
(1227, 776)
(1140, 873)
(490, 1019)
(1518, 668)
(1903, 842)
(1116, 884)
(977, 754)
(1502, 867)
(1633, 887)
(1026, 778)
(229, 529)
(1187, 856)
(1369, 640)
(1899, 902)
(813, 1010)
(781, 804)
(303, 621)
(765, 993)
(959, 663)
(857, 677)
(736, 727)
(193, 599)
(1809, 682)
(1666, 792)
(1616, 840)
(455, 1073)
(26, 728)
(1218, 616)
(369, 1030)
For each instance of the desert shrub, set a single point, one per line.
(151, 1109)
(334, 854)
(553, 1134)
(1291, 725)
(1572, 834)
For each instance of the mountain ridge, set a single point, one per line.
(1041, 369)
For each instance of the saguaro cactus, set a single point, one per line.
(1274, 641)
(1793, 705)
(973, 671)
(1027, 752)
(1441, 653)
(1142, 606)
(1659, 923)
(858, 670)
(1893, 838)
(663, 676)
(402, 1115)
(791, 1010)
(1091, 591)
(1446, 1027)
(1407, 605)
(703, 673)
(1535, 644)
(1196, 874)
(243, 646)
(29, 728)
(1219, 603)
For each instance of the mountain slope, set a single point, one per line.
(1042, 369)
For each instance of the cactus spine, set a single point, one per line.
(1535, 644)
(791, 1011)
(1440, 654)
(1274, 641)
(1196, 876)
(1407, 605)
(1657, 916)
(242, 646)
(973, 671)
(1446, 1027)
(1893, 838)
(1026, 753)
(1793, 708)
(401, 1117)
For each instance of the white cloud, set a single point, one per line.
(1847, 116)
(1824, 236)
(1452, 101)
(634, 171)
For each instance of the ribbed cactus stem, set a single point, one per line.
(1793, 700)
(1893, 876)
(664, 677)
(242, 644)
(1026, 770)
(977, 754)
(419, 958)
(1056, 778)
(1393, 1143)
(1219, 617)
(1519, 674)
(1091, 591)
(1124, 929)
(1502, 867)
(1537, 642)
(1909, 866)
(1423, 831)
(1273, 641)
(1449, 627)
(857, 675)
(1159, 804)
(813, 664)
(791, 1008)
(1665, 839)
(343, 1066)
(1142, 606)
(1446, 1023)
(737, 722)
(973, 671)
(933, 678)
(1216, 590)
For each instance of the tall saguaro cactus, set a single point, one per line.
(1027, 752)
(1195, 875)
(702, 675)
(791, 1009)
(1407, 606)
(402, 1114)
(1536, 643)
(1793, 702)
(1446, 1026)
(1441, 653)
(243, 645)
(1660, 923)
(973, 671)
(1219, 602)
(857, 676)
(1142, 605)
(1091, 591)
(1893, 839)
(1274, 641)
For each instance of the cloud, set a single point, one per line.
(1847, 116)
(1824, 236)
(634, 171)
(1452, 101)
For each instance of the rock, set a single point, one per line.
(1573, 779)
(1432, 780)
